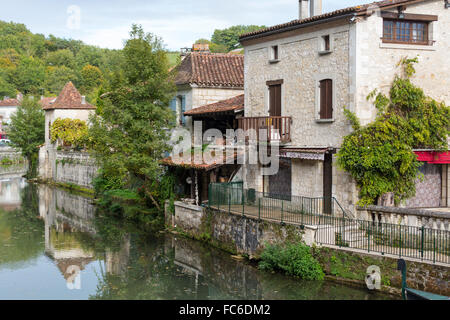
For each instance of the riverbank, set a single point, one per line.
(78, 252)
(248, 236)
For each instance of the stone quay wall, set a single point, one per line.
(248, 236)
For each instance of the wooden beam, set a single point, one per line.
(410, 16)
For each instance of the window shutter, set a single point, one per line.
(183, 110)
(173, 105)
(326, 99)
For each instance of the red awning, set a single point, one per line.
(434, 157)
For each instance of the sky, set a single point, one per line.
(106, 23)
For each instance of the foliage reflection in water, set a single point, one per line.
(56, 245)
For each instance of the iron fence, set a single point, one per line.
(335, 226)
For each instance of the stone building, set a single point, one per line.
(300, 75)
(210, 91)
(68, 105)
(203, 78)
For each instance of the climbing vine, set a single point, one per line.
(380, 156)
(72, 132)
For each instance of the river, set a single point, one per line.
(55, 245)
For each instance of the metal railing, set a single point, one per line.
(280, 208)
(421, 243)
(335, 227)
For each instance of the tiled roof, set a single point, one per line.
(201, 166)
(69, 98)
(231, 104)
(360, 10)
(9, 103)
(46, 102)
(211, 70)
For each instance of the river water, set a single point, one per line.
(55, 245)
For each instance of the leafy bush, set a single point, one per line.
(73, 132)
(380, 156)
(292, 259)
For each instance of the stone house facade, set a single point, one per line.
(68, 105)
(309, 69)
(204, 78)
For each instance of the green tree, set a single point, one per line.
(380, 156)
(61, 58)
(29, 75)
(91, 78)
(27, 131)
(57, 77)
(230, 37)
(131, 133)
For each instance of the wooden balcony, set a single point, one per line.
(277, 129)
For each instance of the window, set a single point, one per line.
(274, 56)
(326, 99)
(326, 43)
(405, 31)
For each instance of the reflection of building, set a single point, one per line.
(116, 262)
(10, 188)
(66, 217)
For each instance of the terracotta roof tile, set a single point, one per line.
(9, 103)
(211, 70)
(69, 98)
(46, 102)
(361, 9)
(231, 104)
(201, 166)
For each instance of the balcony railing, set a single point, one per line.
(270, 129)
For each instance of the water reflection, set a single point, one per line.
(55, 245)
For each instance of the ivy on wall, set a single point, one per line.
(72, 132)
(380, 156)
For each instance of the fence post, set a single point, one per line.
(368, 238)
(243, 203)
(259, 209)
(434, 246)
(209, 196)
(229, 202)
(282, 210)
(401, 243)
(422, 245)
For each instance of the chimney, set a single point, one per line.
(83, 99)
(309, 8)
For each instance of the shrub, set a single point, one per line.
(73, 132)
(292, 259)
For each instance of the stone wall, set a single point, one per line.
(406, 216)
(247, 236)
(353, 266)
(301, 67)
(74, 168)
(9, 153)
(375, 63)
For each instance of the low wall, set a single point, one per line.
(237, 234)
(11, 154)
(248, 236)
(75, 168)
(405, 216)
